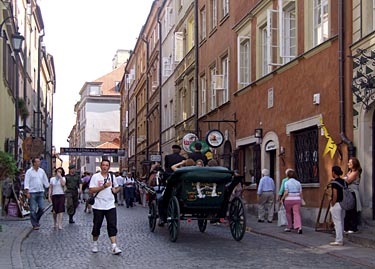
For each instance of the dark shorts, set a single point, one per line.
(111, 218)
(58, 203)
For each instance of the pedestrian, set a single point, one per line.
(266, 197)
(337, 212)
(142, 192)
(73, 189)
(282, 186)
(129, 186)
(35, 182)
(199, 163)
(353, 178)
(104, 185)
(56, 196)
(293, 200)
(85, 191)
(120, 194)
(197, 154)
(172, 159)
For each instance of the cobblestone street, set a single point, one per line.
(71, 247)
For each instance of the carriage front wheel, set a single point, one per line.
(237, 219)
(152, 216)
(173, 218)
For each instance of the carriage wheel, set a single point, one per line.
(237, 221)
(173, 218)
(202, 223)
(152, 216)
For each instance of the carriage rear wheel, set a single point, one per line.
(152, 216)
(237, 221)
(202, 223)
(173, 218)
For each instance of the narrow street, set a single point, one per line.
(71, 247)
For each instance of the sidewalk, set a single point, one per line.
(354, 248)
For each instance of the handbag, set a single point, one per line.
(281, 216)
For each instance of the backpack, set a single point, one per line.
(348, 200)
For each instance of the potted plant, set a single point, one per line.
(22, 108)
(8, 168)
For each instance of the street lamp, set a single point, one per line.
(17, 40)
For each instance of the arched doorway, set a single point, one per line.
(227, 156)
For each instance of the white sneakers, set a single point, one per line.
(95, 248)
(336, 243)
(116, 250)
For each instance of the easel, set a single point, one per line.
(327, 224)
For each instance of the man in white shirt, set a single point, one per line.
(120, 194)
(104, 185)
(129, 186)
(35, 183)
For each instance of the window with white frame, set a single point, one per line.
(203, 24)
(182, 106)
(222, 91)
(225, 8)
(288, 33)
(94, 90)
(178, 46)
(243, 60)
(192, 96)
(167, 66)
(266, 50)
(213, 104)
(190, 34)
(171, 113)
(320, 22)
(203, 100)
(213, 14)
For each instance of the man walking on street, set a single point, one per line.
(35, 182)
(104, 185)
(172, 159)
(73, 189)
(266, 194)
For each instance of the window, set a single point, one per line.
(222, 93)
(192, 96)
(288, 33)
(243, 56)
(213, 88)
(320, 21)
(225, 8)
(117, 86)
(203, 101)
(190, 34)
(213, 14)
(266, 50)
(178, 46)
(203, 24)
(167, 66)
(182, 106)
(306, 155)
(94, 90)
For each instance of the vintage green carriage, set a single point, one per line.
(198, 193)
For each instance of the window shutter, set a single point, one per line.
(179, 46)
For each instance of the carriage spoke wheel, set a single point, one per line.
(152, 216)
(237, 221)
(202, 223)
(173, 218)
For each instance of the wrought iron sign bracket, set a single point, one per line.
(363, 84)
(230, 122)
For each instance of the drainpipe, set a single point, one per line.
(147, 96)
(160, 81)
(196, 48)
(344, 138)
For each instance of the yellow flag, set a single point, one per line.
(331, 146)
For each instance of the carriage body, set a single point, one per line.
(202, 194)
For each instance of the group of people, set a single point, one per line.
(290, 194)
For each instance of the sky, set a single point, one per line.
(83, 37)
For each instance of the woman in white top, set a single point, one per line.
(56, 196)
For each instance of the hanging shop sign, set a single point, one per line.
(92, 152)
(214, 138)
(187, 140)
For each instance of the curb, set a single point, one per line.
(16, 248)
